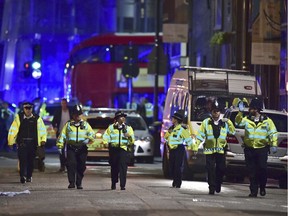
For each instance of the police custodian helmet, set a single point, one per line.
(119, 114)
(256, 103)
(77, 110)
(215, 105)
(178, 116)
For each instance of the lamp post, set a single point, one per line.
(157, 72)
(157, 61)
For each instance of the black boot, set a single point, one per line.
(29, 179)
(262, 191)
(23, 179)
(71, 185)
(113, 186)
(218, 188)
(252, 195)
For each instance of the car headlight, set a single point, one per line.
(144, 138)
(148, 138)
(285, 158)
(230, 154)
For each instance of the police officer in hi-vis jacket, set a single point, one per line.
(260, 135)
(28, 132)
(120, 137)
(213, 132)
(76, 133)
(176, 136)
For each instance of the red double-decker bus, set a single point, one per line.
(94, 70)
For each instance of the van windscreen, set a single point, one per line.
(201, 105)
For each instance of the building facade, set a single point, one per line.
(221, 33)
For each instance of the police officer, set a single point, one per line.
(176, 136)
(76, 133)
(27, 132)
(260, 134)
(149, 111)
(213, 132)
(120, 138)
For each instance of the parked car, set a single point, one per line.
(277, 163)
(101, 118)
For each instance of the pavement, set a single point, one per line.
(147, 194)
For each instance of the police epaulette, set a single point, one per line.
(263, 117)
(184, 126)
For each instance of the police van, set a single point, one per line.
(192, 91)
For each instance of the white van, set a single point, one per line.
(192, 89)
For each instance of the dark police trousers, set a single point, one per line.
(118, 161)
(76, 163)
(62, 157)
(176, 157)
(215, 167)
(256, 163)
(26, 154)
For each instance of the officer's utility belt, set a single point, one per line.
(250, 147)
(75, 148)
(117, 146)
(178, 147)
(26, 142)
(27, 139)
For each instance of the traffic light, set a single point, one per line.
(130, 67)
(131, 54)
(130, 70)
(27, 69)
(33, 68)
(36, 64)
(27, 65)
(37, 57)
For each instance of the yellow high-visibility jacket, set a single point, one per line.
(116, 138)
(149, 110)
(14, 129)
(180, 135)
(258, 135)
(211, 144)
(75, 134)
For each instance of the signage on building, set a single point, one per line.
(266, 34)
(265, 53)
(175, 33)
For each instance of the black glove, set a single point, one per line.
(124, 128)
(171, 128)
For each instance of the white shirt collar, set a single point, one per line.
(28, 117)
